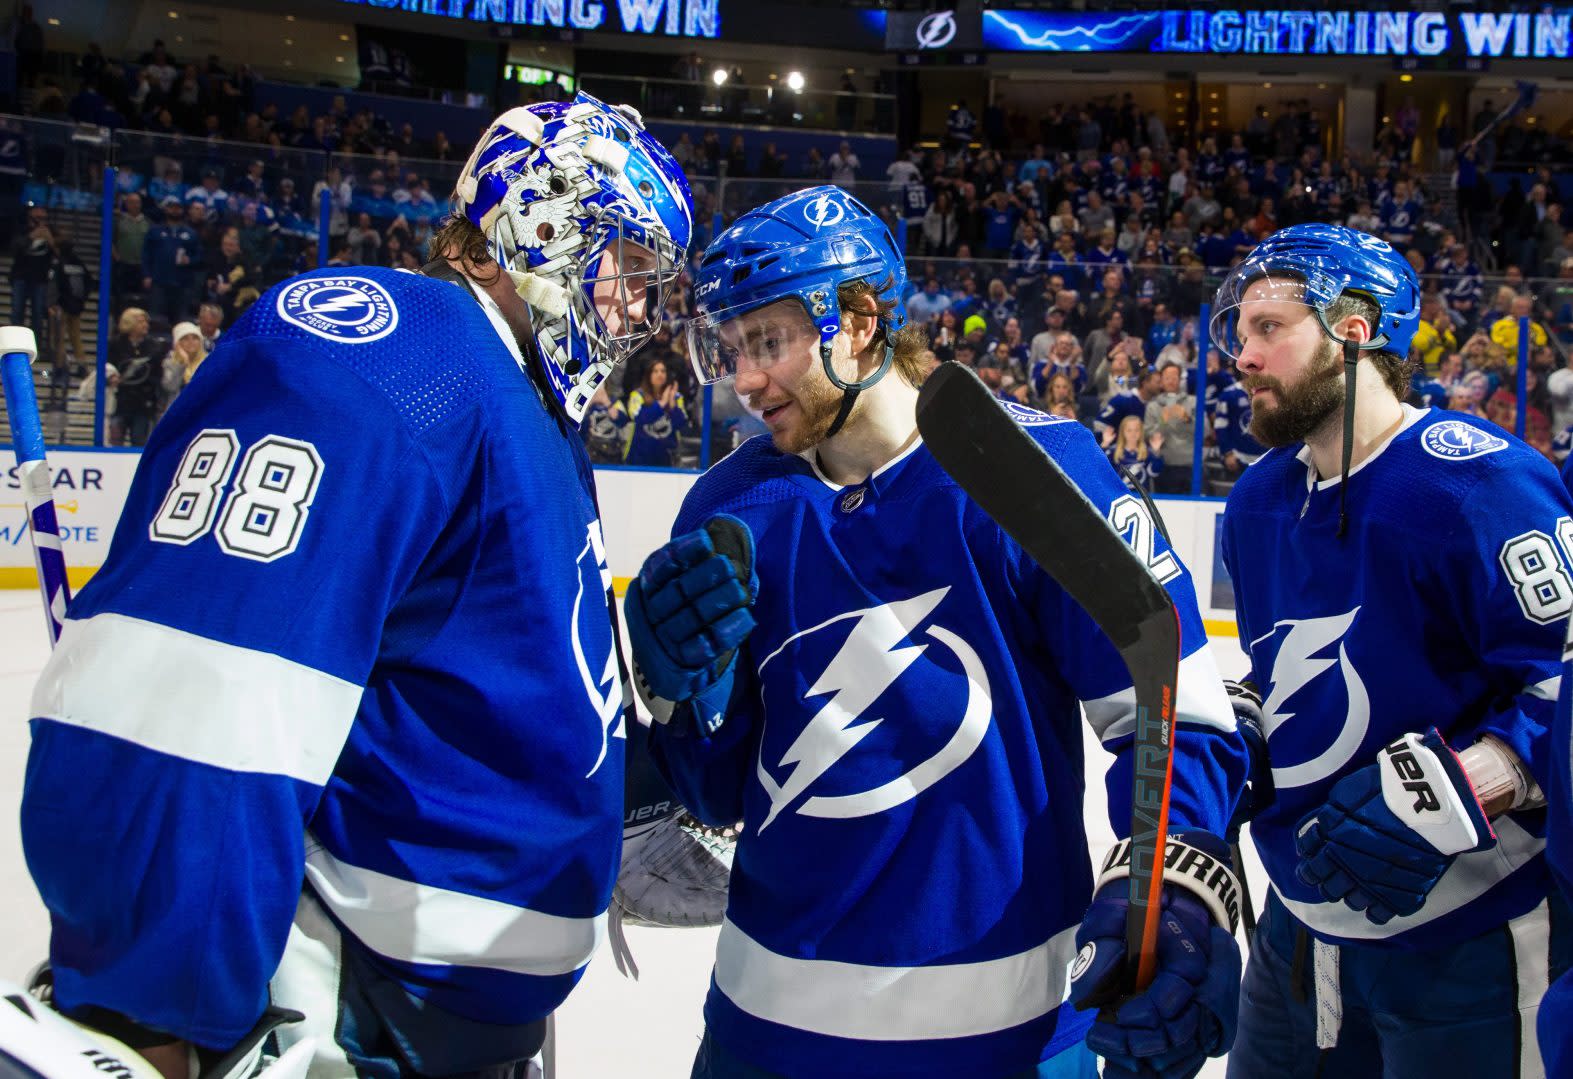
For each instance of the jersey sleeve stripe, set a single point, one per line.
(197, 699)
(1466, 880)
(850, 1000)
(1202, 701)
(1547, 690)
(425, 924)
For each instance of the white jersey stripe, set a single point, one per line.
(421, 923)
(1466, 880)
(1531, 935)
(197, 699)
(1201, 701)
(875, 1003)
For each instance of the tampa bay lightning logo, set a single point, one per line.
(936, 29)
(824, 211)
(1455, 440)
(353, 309)
(844, 757)
(1029, 417)
(1313, 682)
(594, 650)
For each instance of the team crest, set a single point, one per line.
(594, 648)
(1313, 679)
(356, 310)
(1455, 440)
(826, 750)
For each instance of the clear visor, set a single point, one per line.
(733, 340)
(625, 285)
(1247, 307)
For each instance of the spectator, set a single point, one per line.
(1059, 391)
(1504, 331)
(231, 281)
(941, 230)
(171, 257)
(844, 165)
(1171, 413)
(1135, 454)
(70, 285)
(928, 305)
(32, 258)
(185, 356)
(1128, 396)
(658, 414)
(605, 428)
(960, 126)
(134, 373)
(772, 165)
(131, 229)
(1435, 335)
(210, 319)
(365, 241)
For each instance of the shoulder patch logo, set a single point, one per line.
(1455, 440)
(356, 310)
(1029, 417)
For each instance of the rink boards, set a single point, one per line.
(637, 509)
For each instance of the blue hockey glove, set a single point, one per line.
(1259, 791)
(1188, 1013)
(688, 611)
(1388, 832)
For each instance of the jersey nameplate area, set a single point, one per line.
(355, 310)
(1455, 440)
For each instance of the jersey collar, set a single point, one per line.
(1412, 416)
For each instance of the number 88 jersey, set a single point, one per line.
(1442, 606)
(352, 628)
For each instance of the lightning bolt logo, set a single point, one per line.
(1298, 664)
(867, 664)
(337, 303)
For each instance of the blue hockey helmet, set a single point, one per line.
(579, 203)
(801, 246)
(1315, 264)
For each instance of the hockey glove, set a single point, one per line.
(1388, 832)
(688, 611)
(1259, 790)
(1188, 1013)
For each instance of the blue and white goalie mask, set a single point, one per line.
(591, 217)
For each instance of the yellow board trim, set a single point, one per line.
(1219, 627)
(27, 576)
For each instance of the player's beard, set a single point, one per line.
(818, 402)
(1299, 410)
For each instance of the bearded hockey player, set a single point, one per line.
(848, 657)
(1402, 586)
(343, 708)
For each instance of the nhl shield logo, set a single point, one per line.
(356, 310)
(1455, 440)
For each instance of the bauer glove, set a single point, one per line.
(1388, 832)
(688, 612)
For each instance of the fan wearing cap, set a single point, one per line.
(1402, 582)
(889, 698)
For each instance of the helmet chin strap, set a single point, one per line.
(850, 390)
(1351, 359)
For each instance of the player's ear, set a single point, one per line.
(861, 328)
(1354, 328)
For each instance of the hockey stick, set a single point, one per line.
(1027, 494)
(17, 350)
(1247, 907)
(1526, 97)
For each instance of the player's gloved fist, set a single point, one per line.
(1189, 1011)
(688, 610)
(1259, 792)
(1388, 832)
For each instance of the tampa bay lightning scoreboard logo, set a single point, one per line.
(894, 703)
(356, 310)
(1455, 440)
(936, 30)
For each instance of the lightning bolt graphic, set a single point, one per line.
(342, 303)
(1076, 38)
(867, 665)
(1293, 669)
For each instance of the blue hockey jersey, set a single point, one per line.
(1232, 424)
(1555, 1020)
(1443, 606)
(352, 631)
(904, 752)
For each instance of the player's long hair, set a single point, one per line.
(911, 340)
(458, 238)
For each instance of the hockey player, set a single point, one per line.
(887, 699)
(1401, 580)
(353, 634)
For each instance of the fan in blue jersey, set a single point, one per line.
(848, 657)
(343, 708)
(1402, 581)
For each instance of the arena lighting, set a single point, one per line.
(795, 81)
(719, 76)
(1406, 78)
